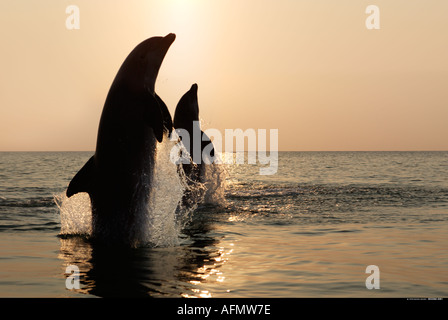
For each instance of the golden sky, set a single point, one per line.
(309, 68)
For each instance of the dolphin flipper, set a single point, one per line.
(154, 116)
(206, 142)
(83, 180)
(167, 121)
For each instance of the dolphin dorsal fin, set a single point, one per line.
(83, 180)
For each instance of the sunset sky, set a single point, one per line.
(309, 68)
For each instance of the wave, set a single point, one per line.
(35, 202)
(382, 194)
(338, 203)
(16, 227)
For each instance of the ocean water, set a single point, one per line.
(310, 230)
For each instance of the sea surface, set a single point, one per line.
(310, 230)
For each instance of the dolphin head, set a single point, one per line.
(187, 110)
(141, 67)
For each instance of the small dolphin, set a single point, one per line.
(186, 117)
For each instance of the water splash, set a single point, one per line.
(76, 214)
(215, 178)
(161, 220)
(215, 181)
(158, 222)
(164, 226)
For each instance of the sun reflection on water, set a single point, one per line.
(210, 272)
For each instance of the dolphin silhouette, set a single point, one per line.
(186, 119)
(118, 176)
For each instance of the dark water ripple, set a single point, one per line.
(28, 203)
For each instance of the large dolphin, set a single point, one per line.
(186, 119)
(118, 176)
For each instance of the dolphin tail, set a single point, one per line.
(83, 180)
